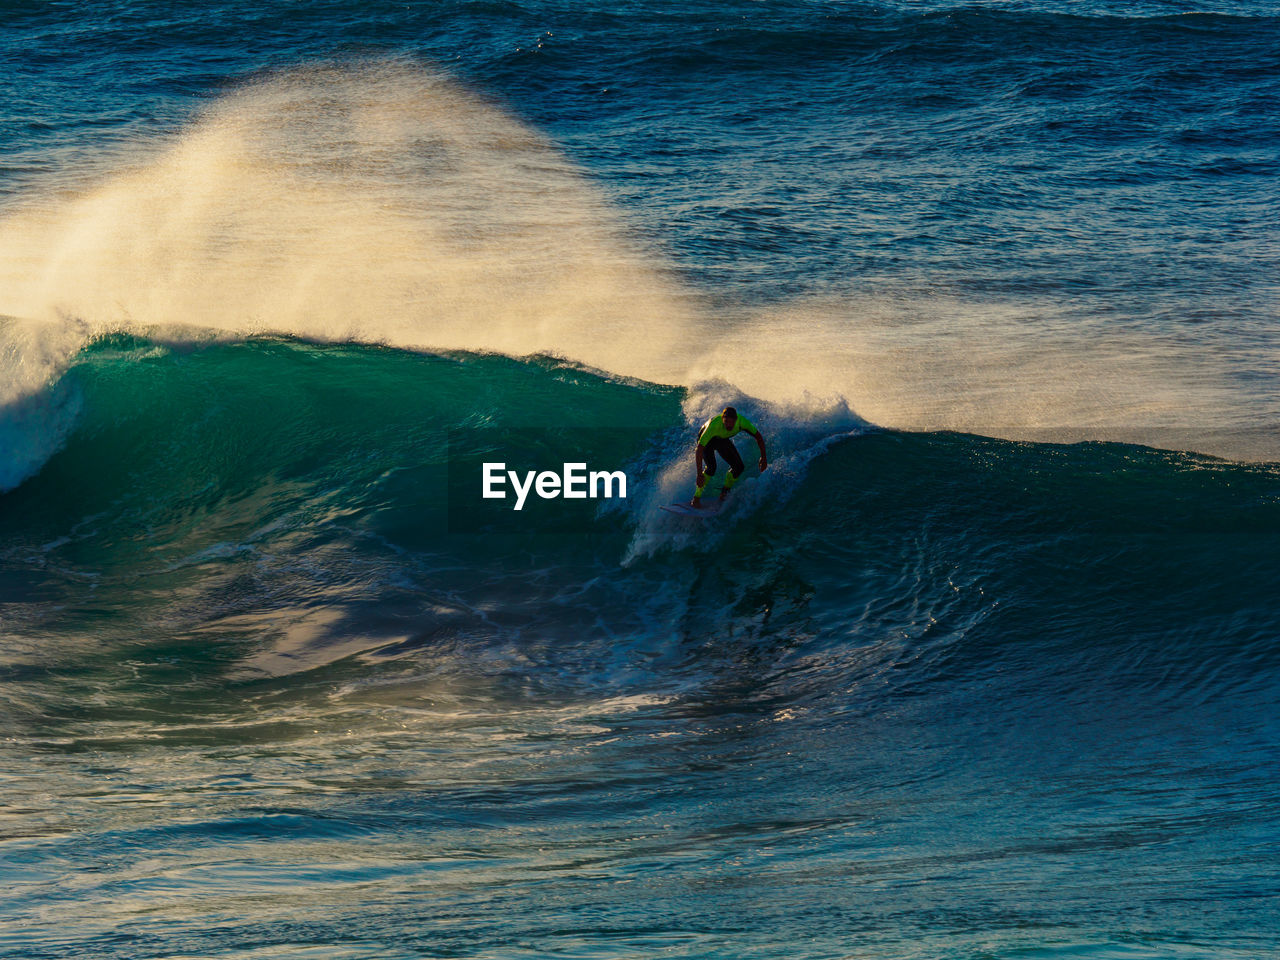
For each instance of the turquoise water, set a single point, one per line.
(985, 665)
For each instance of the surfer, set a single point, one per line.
(714, 438)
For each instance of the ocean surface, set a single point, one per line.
(986, 665)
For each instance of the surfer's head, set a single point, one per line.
(729, 416)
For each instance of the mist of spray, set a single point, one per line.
(379, 202)
(376, 202)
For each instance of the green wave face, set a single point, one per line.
(214, 444)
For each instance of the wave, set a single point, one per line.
(249, 378)
(286, 513)
(383, 202)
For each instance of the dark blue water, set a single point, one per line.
(984, 665)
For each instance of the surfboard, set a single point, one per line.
(684, 510)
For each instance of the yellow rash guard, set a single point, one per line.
(715, 428)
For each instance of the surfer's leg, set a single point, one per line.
(734, 459)
(708, 468)
(709, 457)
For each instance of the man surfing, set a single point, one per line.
(716, 438)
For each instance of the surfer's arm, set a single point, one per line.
(764, 457)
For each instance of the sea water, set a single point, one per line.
(985, 665)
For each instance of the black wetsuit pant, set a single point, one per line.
(725, 447)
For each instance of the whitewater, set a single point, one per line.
(984, 665)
